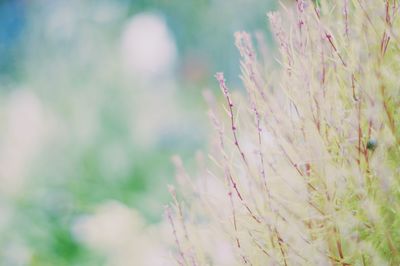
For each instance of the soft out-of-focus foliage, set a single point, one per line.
(305, 167)
(95, 97)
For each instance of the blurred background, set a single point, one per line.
(95, 98)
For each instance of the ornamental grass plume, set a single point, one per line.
(305, 168)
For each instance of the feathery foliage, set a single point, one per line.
(306, 166)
